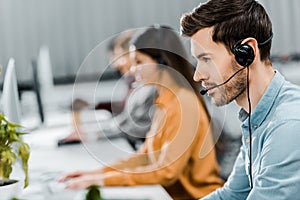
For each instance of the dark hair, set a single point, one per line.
(164, 45)
(232, 20)
(111, 44)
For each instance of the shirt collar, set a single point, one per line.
(265, 103)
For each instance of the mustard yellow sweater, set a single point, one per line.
(178, 152)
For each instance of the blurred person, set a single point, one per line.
(134, 117)
(178, 151)
(231, 41)
(226, 133)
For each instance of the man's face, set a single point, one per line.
(121, 60)
(214, 66)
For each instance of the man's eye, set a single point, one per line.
(205, 59)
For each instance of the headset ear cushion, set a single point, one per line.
(244, 55)
(161, 62)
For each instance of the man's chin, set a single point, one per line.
(219, 102)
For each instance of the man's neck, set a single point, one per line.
(259, 80)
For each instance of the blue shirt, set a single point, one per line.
(275, 125)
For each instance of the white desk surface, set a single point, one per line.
(47, 162)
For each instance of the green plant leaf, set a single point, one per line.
(8, 158)
(5, 170)
(24, 153)
(10, 135)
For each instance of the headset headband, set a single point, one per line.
(259, 44)
(266, 41)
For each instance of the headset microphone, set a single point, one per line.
(203, 91)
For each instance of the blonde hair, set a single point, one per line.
(122, 41)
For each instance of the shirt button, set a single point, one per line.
(255, 126)
(248, 140)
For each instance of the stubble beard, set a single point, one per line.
(233, 89)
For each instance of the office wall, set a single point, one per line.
(72, 28)
(285, 17)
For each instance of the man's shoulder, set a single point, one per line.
(288, 104)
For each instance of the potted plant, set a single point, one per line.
(93, 193)
(12, 148)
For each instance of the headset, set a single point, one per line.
(160, 60)
(244, 54)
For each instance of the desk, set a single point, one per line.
(47, 162)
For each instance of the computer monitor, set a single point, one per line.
(10, 97)
(36, 88)
(45, 75)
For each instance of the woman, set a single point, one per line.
(132, 119)
(178, 151)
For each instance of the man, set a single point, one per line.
(131, 120)
(231, 41)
